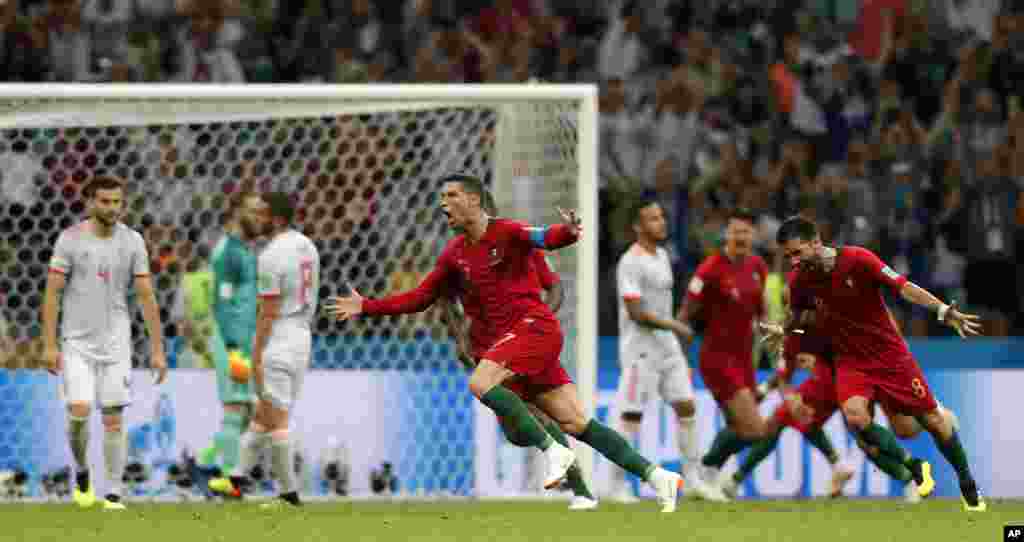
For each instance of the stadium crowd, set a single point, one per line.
(896, 124)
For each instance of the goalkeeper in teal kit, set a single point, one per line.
(234, 308)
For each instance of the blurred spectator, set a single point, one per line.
(992, 205)
(348, 65)
(623, 52)
(206, 56)
(192, 312)
(69, 44)
(790, 173)
(857, 187)
(22, 50)
(108, 23)
(1007, 75)
(904, 239)
(620, 153)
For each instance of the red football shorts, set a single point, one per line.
(901, 388)
(725, 375)
(531, 350)
(817, 392)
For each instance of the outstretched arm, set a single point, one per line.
(415, 300)
(964, 324)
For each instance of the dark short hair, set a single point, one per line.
(637, 208)
(281, 205)
(103, 182)
(796, 227)
(744, 214)
(469, 183)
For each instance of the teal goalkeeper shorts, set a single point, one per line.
(228, 390)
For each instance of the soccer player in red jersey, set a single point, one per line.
(492, 258)
(872, 359)
(472, 342)
(727, 293)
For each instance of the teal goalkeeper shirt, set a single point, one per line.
(234, 281)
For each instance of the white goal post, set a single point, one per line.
(536, 144)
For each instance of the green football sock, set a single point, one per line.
(514, 414)
(883, 439)
(228, 440)
(615, 448)
(895, 469)
(759, 451)
(820, 440)
(725, 445)
(953, 451)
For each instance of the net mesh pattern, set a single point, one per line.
(366, 184)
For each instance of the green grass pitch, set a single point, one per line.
(821, 520)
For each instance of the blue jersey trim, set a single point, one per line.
(537, 236)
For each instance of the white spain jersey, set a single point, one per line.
(647, 278)
(289, 267)
(96, 320)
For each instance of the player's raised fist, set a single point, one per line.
(345, 307)
(571, 219)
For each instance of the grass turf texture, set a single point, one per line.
(820, 520)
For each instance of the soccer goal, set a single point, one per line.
(364, 163)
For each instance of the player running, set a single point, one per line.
(650, 354)
(492, 258)
(727, 293)
(234, 309)
(872, 359)
(94, 264)
(805, 409)
(289, 279)
(472, 342)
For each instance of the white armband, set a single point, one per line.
(943, 309)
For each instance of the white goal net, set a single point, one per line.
(364, 164)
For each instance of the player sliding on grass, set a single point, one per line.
(471, 340)
(492, 259)
(844, 287)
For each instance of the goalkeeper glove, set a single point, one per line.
(239, 366)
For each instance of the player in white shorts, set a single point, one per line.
(650, 355)
(93, 266)
(289, 284)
